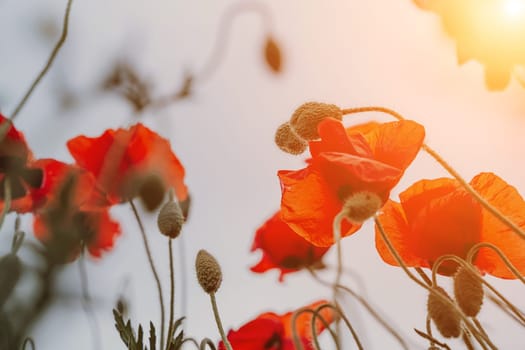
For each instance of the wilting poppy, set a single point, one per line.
(284, 249)
(347, 169)
(16, 167)
(270, 331)
(438, 217)
(74, 212)
(131, 162)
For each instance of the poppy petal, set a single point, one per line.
(510, 203)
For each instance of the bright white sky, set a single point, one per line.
(350, 53)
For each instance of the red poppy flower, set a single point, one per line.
(345, 164)
(437, 217)
(127, 162)
(73, 213)
(284, 249)
(270, 331)
(15, 158)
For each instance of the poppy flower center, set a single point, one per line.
(20, 177)
(360, 206)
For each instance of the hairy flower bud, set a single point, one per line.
(10, 271)
(288, 141)
(209, 271)
(468, 291)
(272, 55)
(170, 219)
(307, 117)
(360, 206)
(445, 317)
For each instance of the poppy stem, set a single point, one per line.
(172, 294)
(153, 270)
(430, 338)
(367, 306)
(30, 341)
(50, 60)
(298, 344)
(423, 275)
(341, 314)
(479, 337)
(339, 269)
(7, 200)
(225, 340)
(86, 301)
(472, 252)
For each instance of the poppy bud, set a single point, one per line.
(305, 119)
(209, 272)
(445, 317)
(468, 291)
(170, 219)
(360, 206)
(151, 192)
(288, 141)
(10, 271)
(272, 55)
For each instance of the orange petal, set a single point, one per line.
(510, 203)
(396, 143)
(309, 206)
(394, 223)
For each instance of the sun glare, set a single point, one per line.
(514, 8)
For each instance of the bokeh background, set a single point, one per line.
(350, 53)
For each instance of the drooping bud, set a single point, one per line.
(209, 271)
(361, 206)
(10, 271)
(288, 141)
(445, 317)
(468, 291)
(272, 55)
(170, 219)
(306, 118)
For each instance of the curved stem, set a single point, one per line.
(153, 270)
(223, 33)
(50, 60)
(506, 261)
(225, 340)
(207, 342)
(479, 337)
(7, 200)
(172, 294)
(298, 344)
(86, 300)
(493, 210)
(345, 319)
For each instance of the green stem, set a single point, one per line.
(50, 60)
(153, 270)
(172, 294)
(225, 340)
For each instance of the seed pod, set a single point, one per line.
(361, 205)
(170, 219)
(468, 291)
(272, 55)
(209, 272)
(10, 272)
(288, 141)
(306, 118)
(445, 317)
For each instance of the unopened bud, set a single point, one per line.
(445, 317)
(170, 219)
(10, 271)
(468, 291)
(151, 192)
(209, 272)
(361, 206)
(272, 55)
(307, 117)
(288, 141)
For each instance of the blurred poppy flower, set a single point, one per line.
(15, 165)
(347, 169)
(437, 217)
(131, 162)
(284, 249)
(270, 331)
(490, 31)
(74, 213)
